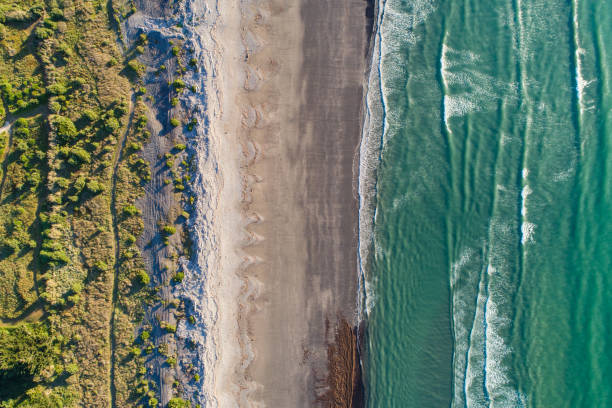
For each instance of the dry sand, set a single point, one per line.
(291, 81)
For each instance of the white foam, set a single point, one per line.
(525, 192)
(481, 289)
(467, 89)
(395, 30)
(579, 53)
(527, 230)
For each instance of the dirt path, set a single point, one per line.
(113, 209)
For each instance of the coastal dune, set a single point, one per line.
(291, 80)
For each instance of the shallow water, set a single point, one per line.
(489, 277)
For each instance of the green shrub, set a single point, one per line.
(54, 256)
(90, 115)
(42, 33)
(134, 146)
(177, 402)
(56, 14)
(145, 335)
(81, 155)
(121, 109)
(163, 349)
(111, 124)
(79, 183)
(174, 122)
(78, 83)
(174, 101)
(21, 132)
(72, 368)
(178, 84)
(175, 50)
(94, 186)
(62, 182)
(153, 402)
(55, 107)
(192, 124)
(141, 122)
(100, 266)
(171, 361)
(66, 131)
(74, 299)
(21, 146)
(11, 245)
(131, 210)
(26, 349)
(168, 230)
(76, 287)
(178, 277)
(143, 277)
(179, 147)
(56, 89)
(136, 67)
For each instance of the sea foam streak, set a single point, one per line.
(466, 88)
(579, 53)
(481, 286)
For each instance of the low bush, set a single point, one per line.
(111, 124)
(143, 277)
(178, 403)
(94, 187)
(81, 155)
(168, 230)
(178, 85)
(131, 210)
(66, 131)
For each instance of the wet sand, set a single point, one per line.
(296, 112)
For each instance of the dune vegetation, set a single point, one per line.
(72, 280)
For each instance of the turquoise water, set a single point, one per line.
(488, 281)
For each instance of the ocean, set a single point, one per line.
(486, 228)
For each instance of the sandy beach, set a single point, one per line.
(274, 280)
(292, 100)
